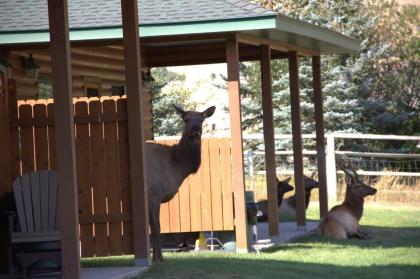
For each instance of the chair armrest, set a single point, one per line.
(12, 221)
(7, 213)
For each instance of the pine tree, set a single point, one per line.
(376, 91)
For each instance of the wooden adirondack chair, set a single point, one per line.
(36, 236)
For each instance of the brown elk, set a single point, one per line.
(342, 221)
(168, 166)
(289, 205)
(282, 188)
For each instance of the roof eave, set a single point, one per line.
(338, 43)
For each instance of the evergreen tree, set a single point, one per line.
(376, 91)
(168, 88)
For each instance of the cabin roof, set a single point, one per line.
(33, 14)
(26, 21)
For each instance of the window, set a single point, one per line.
(117, 90)
(92, 86)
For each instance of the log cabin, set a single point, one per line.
(173, 33)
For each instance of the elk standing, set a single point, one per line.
(168, 166)
(342, 221)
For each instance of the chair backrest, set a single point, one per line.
(36, 201)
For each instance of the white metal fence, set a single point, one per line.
(372, 165)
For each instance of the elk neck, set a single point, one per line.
(354, 204)
(187, 154)
(307, 198)
(280, 195)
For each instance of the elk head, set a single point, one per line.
(309, 182)
(283, 187)
(193, 121)
(355, 186)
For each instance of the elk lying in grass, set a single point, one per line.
(168, 166)
(342, 221)
(282, 188)
(289, 205)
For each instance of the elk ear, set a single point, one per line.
(179, 110)
(313, 174)
(287, 180)
(208, 112)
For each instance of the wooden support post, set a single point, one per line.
(5, 148)
(5, 165)
(320, 139)
(270, 156)
(297, 140)
(331, 169)
(241, 227)
(135, 119)
(64, 135)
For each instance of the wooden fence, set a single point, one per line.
(203, 203)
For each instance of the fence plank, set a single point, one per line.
(227, 190)
(41, 137)
(98, 178)
(184, 208)
(27, 139)
(113, 189)
(124, 176)
(195, 201)
(174, 214)
(215, 183)
(164, 218)
(206, 210)
(84, 179)
(173, 204)
(51, 138)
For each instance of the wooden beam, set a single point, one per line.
(64, 135)
(285, 47)
(5, 147)
(138, 179)
(320, 139)
(241, 227)
(270, 156)
(297, 139)
(198, 54)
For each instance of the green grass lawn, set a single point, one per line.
(394, 252)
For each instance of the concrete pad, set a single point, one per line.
(289, 231)
(121, 272)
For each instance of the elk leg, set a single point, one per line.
(155, 230)
(362, 235)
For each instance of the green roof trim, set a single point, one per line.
(285, 24)
(274, 27)
(150, 30)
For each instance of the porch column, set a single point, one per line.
(320, 140)
(64, 137)
(6, 159)
(270, 156)
(297, 140)
(232, 59)
(138, 179)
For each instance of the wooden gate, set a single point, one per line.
(203, 203)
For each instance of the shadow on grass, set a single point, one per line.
(384, 237)
(219, 267)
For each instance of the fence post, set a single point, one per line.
(250, 159)
(331, 169)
